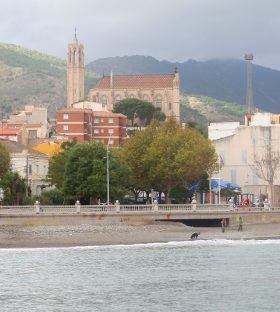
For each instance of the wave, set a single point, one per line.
(172, 244)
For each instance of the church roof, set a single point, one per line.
(136, 81)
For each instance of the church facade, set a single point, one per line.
(160, 90)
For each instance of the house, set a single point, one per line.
(30, 164)
(238, 147)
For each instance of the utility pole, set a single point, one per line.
(26, 176)
(108, 172)
(249, 98)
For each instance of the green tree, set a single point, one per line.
(5, 160)
(14, 188)
(133, 153)
(85, 173)
(166, 155)
(135, 108)
(57, 164)
(127, 107)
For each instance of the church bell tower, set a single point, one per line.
(75, 72)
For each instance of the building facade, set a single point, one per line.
(239, 150)
(30, 164)
(75, 72)
(75, 122)
(87, 125)
(161, 90)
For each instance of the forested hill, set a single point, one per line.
(30, 77)
(225, 80)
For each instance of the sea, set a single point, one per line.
(201, 275)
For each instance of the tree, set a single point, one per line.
(165, 155)
(265, 166)
(5, 160)
(57, 164)
(128, 107)
(14, 188)
(135, 108)
(85, 173)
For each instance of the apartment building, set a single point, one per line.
(87, 125)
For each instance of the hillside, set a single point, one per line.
(224, 80)
(30, 77)
(203, 109)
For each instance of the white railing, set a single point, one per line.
(107, 209)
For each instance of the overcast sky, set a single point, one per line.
(173, 30)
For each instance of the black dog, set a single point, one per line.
(194, 235)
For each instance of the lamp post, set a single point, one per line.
(108, 172)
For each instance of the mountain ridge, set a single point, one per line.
(224, 80)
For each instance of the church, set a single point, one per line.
(160, 90)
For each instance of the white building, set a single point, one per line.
(30, 164)
(238, 146)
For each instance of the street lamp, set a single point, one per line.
(108, 172)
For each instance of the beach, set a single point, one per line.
(15, 236)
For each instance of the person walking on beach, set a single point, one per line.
(240, 224)
(223, 224)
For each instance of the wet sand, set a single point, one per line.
(113, 234)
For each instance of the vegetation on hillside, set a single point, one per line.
(204, 108)
(30, 77)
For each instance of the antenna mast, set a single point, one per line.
(249, 98)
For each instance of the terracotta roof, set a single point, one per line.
(4, 130)
(33, 125)
(136, 81)
(74, 110)
(15, 147)
(107, 114)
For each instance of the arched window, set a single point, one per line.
(118, 98)
(104, 100)
(145, 98)
(158, 101)
(74, 57)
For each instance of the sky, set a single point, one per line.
(172, 30)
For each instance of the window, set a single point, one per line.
(118, 98)
(102, 130)
(145, 97)
(254, 137)
(111, 141)
(111, 131)
(102, 119)
(131, 96)
(255, 178)
(170, 106)
(96, 120)
(65, 116)
(158, 101)
(110, 120)
(30, 168)
(32, 133)
(266, 136)
(65, 127)
(244, 157)
(37, 169)
(233, 176)
(104, 100)
(96, 131)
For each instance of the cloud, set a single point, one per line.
(175, 30)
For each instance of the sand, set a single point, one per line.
(13, 236)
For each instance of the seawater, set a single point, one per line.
(210, 275)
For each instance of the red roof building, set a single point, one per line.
(160, 90)
(87, 126)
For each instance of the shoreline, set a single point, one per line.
(12, 236)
